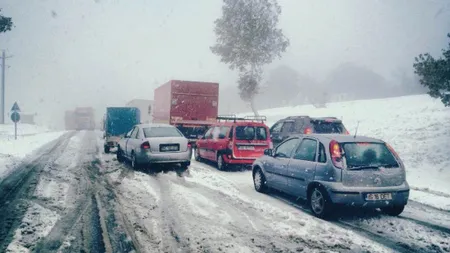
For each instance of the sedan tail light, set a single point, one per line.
(145, 145)
(336, 154)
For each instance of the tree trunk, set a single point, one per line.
(252, 105)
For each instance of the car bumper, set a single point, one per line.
(356, 196)
(227, 159)
(178, 157)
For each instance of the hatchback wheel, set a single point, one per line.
(259, 180)
(319, 203)
(393, 210)
(220, 163)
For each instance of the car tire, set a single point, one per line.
(119, 154)
(106, 149)
(221, 165)
(259, 181)
(320, 203)
(134, 162)
(393, 210)
(197, 156)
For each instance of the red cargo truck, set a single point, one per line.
(191, 106)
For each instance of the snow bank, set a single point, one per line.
(418, 127)
(30, 138)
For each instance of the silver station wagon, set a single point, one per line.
(327, 170)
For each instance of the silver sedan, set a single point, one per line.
(148, 144)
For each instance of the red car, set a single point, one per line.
(234, 140)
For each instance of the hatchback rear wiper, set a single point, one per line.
(374, 167)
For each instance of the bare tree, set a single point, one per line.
(247, 39)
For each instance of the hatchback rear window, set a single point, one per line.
(251, 133)
(153, 132)
(368, 154)
(323, 127)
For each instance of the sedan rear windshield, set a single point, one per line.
(251, 133)
(364, 154)
(323, 127)
(152, 132)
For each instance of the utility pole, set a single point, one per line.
(2, 111)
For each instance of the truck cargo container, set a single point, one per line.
(84, 118)
(117, 122)
(145, 107)
(191, 106)
(69, 120)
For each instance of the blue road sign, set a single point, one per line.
(15, 117)
(15, 107)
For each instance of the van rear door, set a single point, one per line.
(250, 141)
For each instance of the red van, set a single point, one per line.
(234, 140)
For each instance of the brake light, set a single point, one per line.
(271, 145)
(347, 132)
(189, 145)
(145, 145)
(308, 130)
(392, 150)
(336, 154)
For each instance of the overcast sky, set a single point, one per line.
(106, 52)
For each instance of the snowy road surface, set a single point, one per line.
(73, 198)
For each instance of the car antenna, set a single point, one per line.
(356, 131)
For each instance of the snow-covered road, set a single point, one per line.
(74, 198)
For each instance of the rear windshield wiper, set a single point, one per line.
(374, 167)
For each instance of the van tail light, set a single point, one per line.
(308, 130)
(271, 145)
(336, 154)
(145, 145)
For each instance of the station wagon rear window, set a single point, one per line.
(368, 154)
(251, 133)
(154, 132)
(323, 127)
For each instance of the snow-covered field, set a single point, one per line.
(29, 138)
(418, 127)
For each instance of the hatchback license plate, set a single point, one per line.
(379, 196)
(170, 148)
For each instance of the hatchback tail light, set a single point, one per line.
(308, 130)
(145, 145)
(336, 154)
(189, 146)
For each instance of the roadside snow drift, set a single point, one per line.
(29, 138)
(418, 127)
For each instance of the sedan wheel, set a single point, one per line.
(134, 162)
(259, 180)
(197, 155)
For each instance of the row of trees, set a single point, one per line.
(247, 38)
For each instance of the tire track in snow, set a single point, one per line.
(19, 186)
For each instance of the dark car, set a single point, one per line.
(292, 125)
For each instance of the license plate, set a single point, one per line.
(169, 148)
(379, 196)
(246, 148)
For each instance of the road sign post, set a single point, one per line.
(15, 117)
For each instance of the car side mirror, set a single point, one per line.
(268, 152)
(222, 136)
